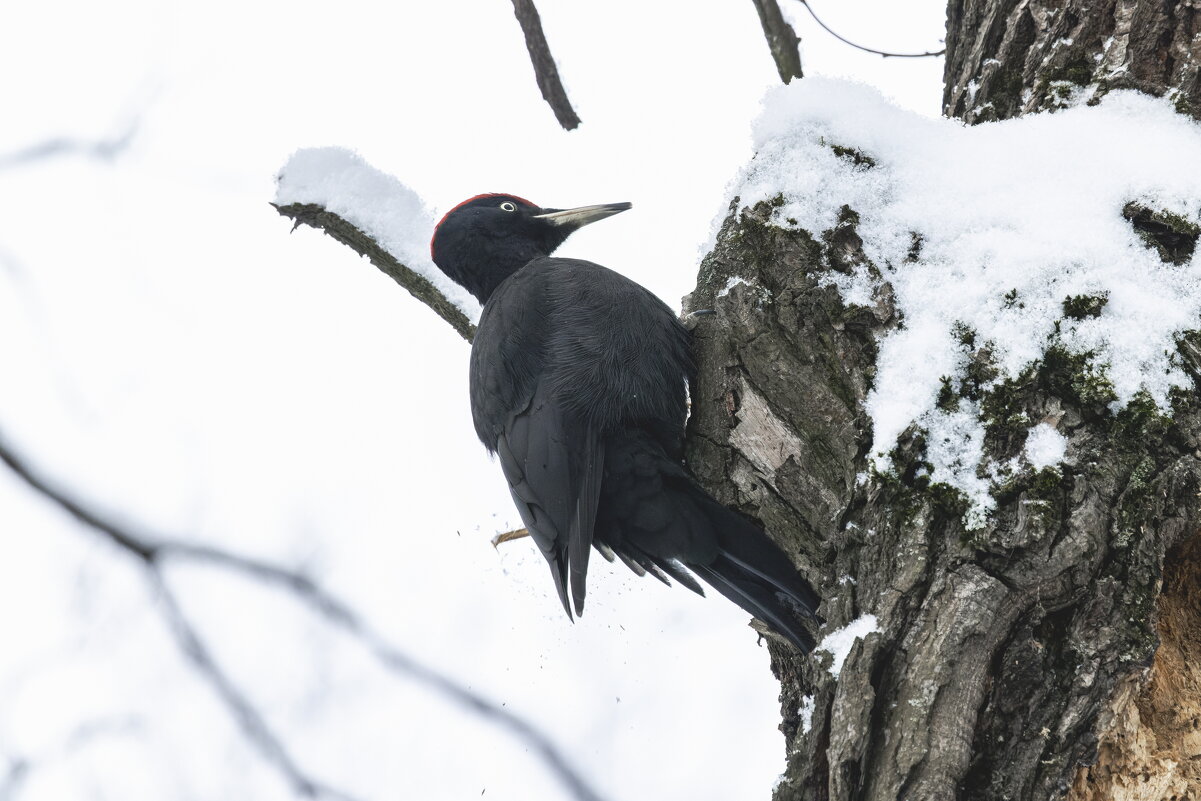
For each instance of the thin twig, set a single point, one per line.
(844, 40)
(545, 71)
(153, 551)
(781, 40)
(509, 536)
(348, 234)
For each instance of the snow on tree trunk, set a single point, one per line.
(1023, 617)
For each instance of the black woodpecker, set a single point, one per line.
(578, 385)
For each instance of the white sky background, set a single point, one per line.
(167, 348)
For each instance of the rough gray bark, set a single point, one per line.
(1031, 659)
(1001, 648)
(1011, 57)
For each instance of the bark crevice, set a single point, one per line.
(1011, 57)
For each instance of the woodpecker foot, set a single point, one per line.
(691, 319)
(765, 631)
(515, 534)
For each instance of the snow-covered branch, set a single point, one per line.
(315, 216)
(375, 215)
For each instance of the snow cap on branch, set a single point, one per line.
(376, 203)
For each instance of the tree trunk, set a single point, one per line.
(1011, 57)
(1055, 653)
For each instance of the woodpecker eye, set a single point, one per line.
(507, 206)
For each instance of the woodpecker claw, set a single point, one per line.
(692, 319)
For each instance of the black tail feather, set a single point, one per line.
(678, 572)
(757, 598)
(636, 568)
(658, 520)
(658, 573)
(753, 572)
(803, 597)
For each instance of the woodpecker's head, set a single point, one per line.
(487, 238)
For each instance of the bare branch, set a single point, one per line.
(342, 616)
(781, 39)
(248, 717)
(14, 778)
(149, 550)
(348, 234)
(153, 551)
(508, 536)
(844, 40)
(105, 149)
(545, 71)
(141, 547)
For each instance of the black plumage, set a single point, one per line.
(578, 385)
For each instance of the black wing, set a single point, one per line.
(554, 465)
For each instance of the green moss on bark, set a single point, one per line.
(1081, 307)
